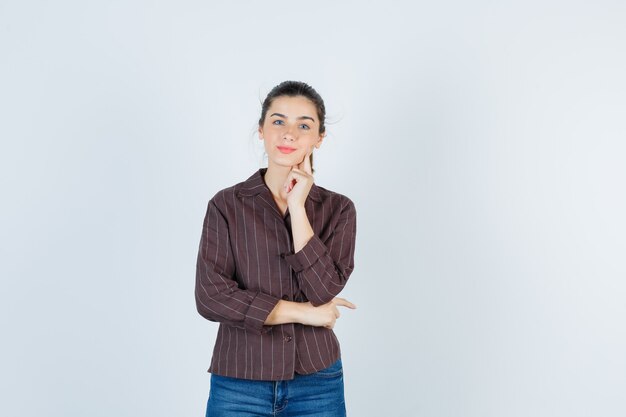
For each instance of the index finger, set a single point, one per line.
(343, 302)
(306, 163)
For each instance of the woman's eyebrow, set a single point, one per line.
(298, 118)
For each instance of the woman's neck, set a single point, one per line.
(275, 178)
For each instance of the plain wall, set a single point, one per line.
(483, 144)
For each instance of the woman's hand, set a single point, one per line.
(299, 182)
(324, 315)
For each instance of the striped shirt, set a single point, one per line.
(246, 264)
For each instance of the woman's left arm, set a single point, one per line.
(323, 267)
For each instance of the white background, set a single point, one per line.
(483, 144)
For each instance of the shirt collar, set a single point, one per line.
(255, 185)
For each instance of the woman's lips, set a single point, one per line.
(285, 149)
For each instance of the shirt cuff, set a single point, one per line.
(260, 307)
(306, 256)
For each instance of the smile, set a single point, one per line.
(285, 149)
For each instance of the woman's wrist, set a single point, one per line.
(296, 208)
(286, 312)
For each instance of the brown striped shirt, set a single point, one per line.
(246, 264)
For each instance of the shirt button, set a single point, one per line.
(287, 338)
(285, 297)
(282, 255)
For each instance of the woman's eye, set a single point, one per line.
(280, 122)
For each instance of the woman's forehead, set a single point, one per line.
(293, 106)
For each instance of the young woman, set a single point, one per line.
(275, 251)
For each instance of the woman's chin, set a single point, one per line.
(285, 160)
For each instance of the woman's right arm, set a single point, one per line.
(218, 297)
(305, 313)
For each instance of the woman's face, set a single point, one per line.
(290, 129)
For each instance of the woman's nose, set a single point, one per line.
(289, 135)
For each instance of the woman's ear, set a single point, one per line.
(319, 141)
(260, 130)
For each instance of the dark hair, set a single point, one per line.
(292, 89)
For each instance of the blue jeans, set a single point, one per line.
(319, 394)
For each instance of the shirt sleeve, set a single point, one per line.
(218, 296)
(323, 267)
